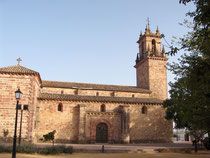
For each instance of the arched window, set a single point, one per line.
(76, 92)
(97, 93)
(154, 47)
(112, 94)
(103, 108)
(144, 110)
(60, 107)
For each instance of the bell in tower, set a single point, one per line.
(150, 44)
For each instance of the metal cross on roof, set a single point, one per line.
(19, 60)
(148, 22)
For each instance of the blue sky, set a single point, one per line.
(91, 41)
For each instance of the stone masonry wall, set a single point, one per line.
(142, 74)
(64, 122)
(149, 127)
(112, 120)
(158, 78)
(36, 90)
(9, 83)
(93, 92)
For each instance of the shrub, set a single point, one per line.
(49, 136)
(31, 149)
(27, 148)
(5, 149)
(56, 150)
(175, 135)
(206, 143)
(5, 132)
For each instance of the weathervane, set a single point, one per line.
(19, 60)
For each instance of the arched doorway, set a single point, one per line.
(101, 133)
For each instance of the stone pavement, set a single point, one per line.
(115, 148)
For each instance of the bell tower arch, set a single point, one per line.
(151, 64)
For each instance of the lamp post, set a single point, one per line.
(21, 117)
(18, 95)
(25, 107)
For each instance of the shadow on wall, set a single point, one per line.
(69, 132)
(149, 127)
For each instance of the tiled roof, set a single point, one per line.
(64, 97)
(89, 86)
(17, 69)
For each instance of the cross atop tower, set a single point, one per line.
(148, 22)
(19, 60)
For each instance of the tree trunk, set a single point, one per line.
(196, 146)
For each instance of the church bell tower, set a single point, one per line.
(151, 64)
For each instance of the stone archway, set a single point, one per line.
(102, 133)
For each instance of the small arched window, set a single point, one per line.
(103, 108)
(112, 94)
(60, 107)
(144, 110)
(76, 92)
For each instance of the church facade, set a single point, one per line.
(91, 113)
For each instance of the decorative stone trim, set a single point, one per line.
(102, 113)
(101, 99)
(152, 58)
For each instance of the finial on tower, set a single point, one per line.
(137, 58)
(163, 51)
(19, 60)
(147, 30)
(157, 31)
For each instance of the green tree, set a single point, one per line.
(49, 137)
(200, 37)
(189, 104)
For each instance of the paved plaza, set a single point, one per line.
(117, 148)
(172, 150)
(114, 155)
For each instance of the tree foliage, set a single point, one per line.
(189, 104)
(200, 37)
(49, 136)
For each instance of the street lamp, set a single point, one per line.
(18, 95)
(25, 107)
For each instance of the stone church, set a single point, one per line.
(91, 113)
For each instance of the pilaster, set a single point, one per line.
(82, 123)
(125, 124)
